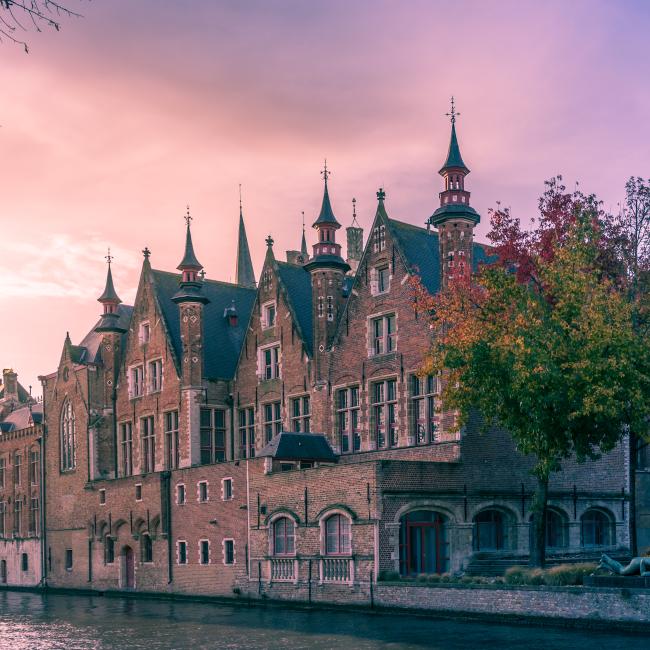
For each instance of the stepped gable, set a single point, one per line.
(296, 282)
(222, 341)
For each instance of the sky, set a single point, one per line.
(110, 127)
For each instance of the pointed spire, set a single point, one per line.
(326, 213)
(303, 244)
(244, 276)
(454, 159)
(110, 295)
(189, 261)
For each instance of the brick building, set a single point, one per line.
(21, 434)
(278, 440)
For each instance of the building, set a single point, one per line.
(278, 440)
(21, 435)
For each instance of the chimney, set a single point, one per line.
(10, 382)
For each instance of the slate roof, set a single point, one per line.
(23, 395)
(22, 418)
(297, 282)
(326, 213)
(299, 446)
(109, 295)
(189, 260)
(88, 351)
(245, 274)
(222, 343)
(454, 159)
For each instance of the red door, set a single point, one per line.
(129, 568)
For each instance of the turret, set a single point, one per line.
(110, 302)
(455, 219)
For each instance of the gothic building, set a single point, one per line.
(277, 439)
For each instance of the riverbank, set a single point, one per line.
(599, 609)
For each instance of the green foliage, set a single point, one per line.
(557, 576)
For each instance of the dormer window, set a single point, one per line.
(145, 333)
(268, 315)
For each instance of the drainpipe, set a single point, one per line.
(42, 496)
(114, 402)
(165, 491)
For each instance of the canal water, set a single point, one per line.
(36, 622)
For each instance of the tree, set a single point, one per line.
(19, 16)
(541, 342)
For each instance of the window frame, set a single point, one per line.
(148, 444)
(202, 491)
(382, 330)
(384, 413)
(186, 556)
(349, 412)
(178, 492)
(126, 448)
(204, 544)
(233, 560)
(146, 548)
(271, 368)
(172, 439)
(300, 409)
(67, 437)
(269, 307)
(284, 519)
(428, 398)
(136, 381)
(273, 426)
(341, 549)
(155, 375)
(246, 431)
(227, 494)
(210, 451)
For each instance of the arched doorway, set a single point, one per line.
(423, 545)
(128, 568)
(3, 572)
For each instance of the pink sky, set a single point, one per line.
(112, 126)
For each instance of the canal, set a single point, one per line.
(35, 622)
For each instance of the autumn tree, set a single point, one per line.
(541, 342)
(18, 17)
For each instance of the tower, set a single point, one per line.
(190, 300)
(244, 276)
(104, 447)
(354, 234)
(327, 269)
(455, 219)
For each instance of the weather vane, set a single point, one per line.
(188, 216)
(109, 258)
(240, 205)
(453, 114)
(146, 252)
(303, 221)
(325, 172)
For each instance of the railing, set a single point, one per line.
(339, 569)
(282, 569)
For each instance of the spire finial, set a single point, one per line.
(453, 114)
(354, 213)
(146, 252)
(109, 258)
(325, 172)
(269, 241)
(241, 212)
(303, 222)
(381, 195)
(188, 217)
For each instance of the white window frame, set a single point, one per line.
(178, 552)
(201, 562)
(102, 496)
(136, 388)
(181, 503)
(144, 332)
(266, 308)
(136, 486)
(387, 339)
(155, 377)
(276, 364)
(234, 551)
(223, 489)
(303, 419)
(198, 491)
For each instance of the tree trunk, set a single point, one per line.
(538, 538)
(633, 446)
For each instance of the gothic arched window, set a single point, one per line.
(68, 439)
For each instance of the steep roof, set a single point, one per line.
(109, 295)
(88, 351)
(222, 342)
(326, 213)
(299, 446)
(454, 159)
(297, 284)
(23, 417)
(23, 395)
(189, 260)
(245, 275)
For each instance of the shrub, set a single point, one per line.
(568, 574)
(387, 575)
(422, 577)
(434, 578)
(516, 575)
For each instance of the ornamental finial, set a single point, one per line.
(188, 216)
(453, 114)
(325, 172)
(146, 252)
(109, 258)
(269, 241)
(381, 195)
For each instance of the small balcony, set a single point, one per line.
(282, 569)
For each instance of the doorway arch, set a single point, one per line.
(423, 543)
(128, 568)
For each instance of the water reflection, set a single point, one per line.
(35, 622)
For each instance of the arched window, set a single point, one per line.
(68, 460)
(597, 529)
(557, 529)
(337, 535)
(284, 536)
(490, 531)
(146, 548)
(109, 549)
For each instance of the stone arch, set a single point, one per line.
(281, 512)
(597, 527)
(335, 508)
(557, 528)
(494, 529)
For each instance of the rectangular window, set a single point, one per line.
(270, 362)
(33, 516)
(203, 491)
(423, 411)
(330, 307)
(300, 414)
(204, 548)
(33, 467)
(384, 413)
(247, 432)
(136, 381)
(24, 562)
(268, 315)
(348, 413)
(148, 444)
(382, 333)
(145, 333)
(3, 466)
(138, 491)
(272, 420)
(180, 494)
(172, 457)
(383, 279)
(379, 238)
(18, 461)
(3, 520)
(213, 435)
(155, 370)
(182, 552)
(227, 489)
(68, 559)
(109, 550)
(102, 497)
(126, 446)
(18, 517)
(228, 551)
